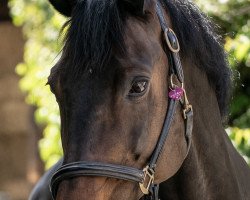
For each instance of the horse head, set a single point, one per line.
(112, 85)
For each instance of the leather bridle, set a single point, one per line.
(144, 177)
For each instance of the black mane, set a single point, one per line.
(96, 28)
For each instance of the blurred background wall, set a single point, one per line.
(19, 160)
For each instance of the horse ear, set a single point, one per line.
(65, 7)
(139, 6)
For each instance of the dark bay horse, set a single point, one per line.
(122, 94)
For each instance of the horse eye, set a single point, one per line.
(138, 87)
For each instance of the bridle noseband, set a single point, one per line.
(144, 177)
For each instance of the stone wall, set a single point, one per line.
(18, 133)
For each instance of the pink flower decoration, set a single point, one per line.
(176, 93)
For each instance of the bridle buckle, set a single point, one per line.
(186, 110)
(149, 175)
(172, 40)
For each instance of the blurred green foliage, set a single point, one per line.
(41, 27)
(233, 19)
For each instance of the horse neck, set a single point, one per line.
(213, 169)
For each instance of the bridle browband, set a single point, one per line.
(144, 177)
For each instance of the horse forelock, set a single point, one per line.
(96, 27)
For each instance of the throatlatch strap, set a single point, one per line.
(189, 128)
(155, 192)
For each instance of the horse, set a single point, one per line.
(143, 88)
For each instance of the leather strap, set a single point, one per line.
(164, 133)
(83, 168)
(170, 35)
(155, 192)
(189, 128)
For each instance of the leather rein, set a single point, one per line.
(144, 177)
